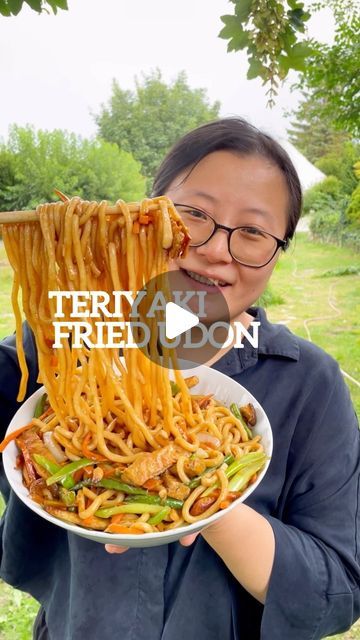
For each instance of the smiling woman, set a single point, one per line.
(281, 565)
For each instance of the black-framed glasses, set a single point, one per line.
(248, 245)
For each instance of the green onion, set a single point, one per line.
(111, 483)
(67, 497)
(173, 503)
(254, 459)
(243, 461)
(53, 468)
(239, 481)
(133, 507)
(158, 517)
(174, 388)
(196, 481)
(65, 472)
(40, 406)
(235, 411)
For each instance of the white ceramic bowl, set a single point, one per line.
(224, 389)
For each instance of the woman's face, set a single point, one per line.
(235, 190)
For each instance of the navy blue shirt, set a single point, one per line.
(309, 495)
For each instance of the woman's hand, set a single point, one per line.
(245, 542)
(114, 548)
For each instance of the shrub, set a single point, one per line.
(340, 163)
(268, 298)
(353, 210)
(321, 194)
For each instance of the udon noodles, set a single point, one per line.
(115, 445)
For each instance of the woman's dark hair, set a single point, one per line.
(234, 134)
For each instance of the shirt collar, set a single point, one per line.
(275, 340)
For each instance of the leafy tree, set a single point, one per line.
(13, 7)
(332, 76)
(312, 132)
(36, 162)
(353, 210)
(271, 32)
(339, 162)
(150, 119)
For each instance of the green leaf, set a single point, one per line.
(301, 50)
(36, 5)
(233, 31)
(295, 4)
(289, 39)
(297, 57)
(243, 9)
(256, 69)
(239, 41)
(297, 18)
(4, 8)
(231, 27)
(284, 66)
(62, 4)
(53, 5)
(15, 6)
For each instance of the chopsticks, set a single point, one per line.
(11, 217)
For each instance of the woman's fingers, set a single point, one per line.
(186, 541)
(113, 548)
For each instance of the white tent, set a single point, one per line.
(308, 173)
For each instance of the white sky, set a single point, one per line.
(56, 70)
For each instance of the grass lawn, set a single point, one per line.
(323, 309)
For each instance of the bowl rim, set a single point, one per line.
(119, 538)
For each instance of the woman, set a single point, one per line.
(282, 566)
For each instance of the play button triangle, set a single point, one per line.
(178, 320)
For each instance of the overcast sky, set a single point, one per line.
(55, 71)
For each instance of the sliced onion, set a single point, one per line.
(205, 437)
(53, 447)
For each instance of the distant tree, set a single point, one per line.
(339, 162)
(332, 75)
(273, 34)
(36, 162)
(147, 121)
(313, 132)
(13, 7)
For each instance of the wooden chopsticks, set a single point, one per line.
(11, 217)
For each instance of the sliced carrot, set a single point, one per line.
(153, 484)
(12, 436)
(144, 219)
(205, 401)
(118, 517)
(118, 528)
(87, 471)
(136, 227)
(78, 475)
(109, 471)
(224, 504)
(46, 413)
(19, 461)
(61, 195)
(87, 452)
(87, 521)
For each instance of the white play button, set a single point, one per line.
(178, 320)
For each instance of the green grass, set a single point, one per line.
(17, 614)
(324, 309)
(299, 297)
